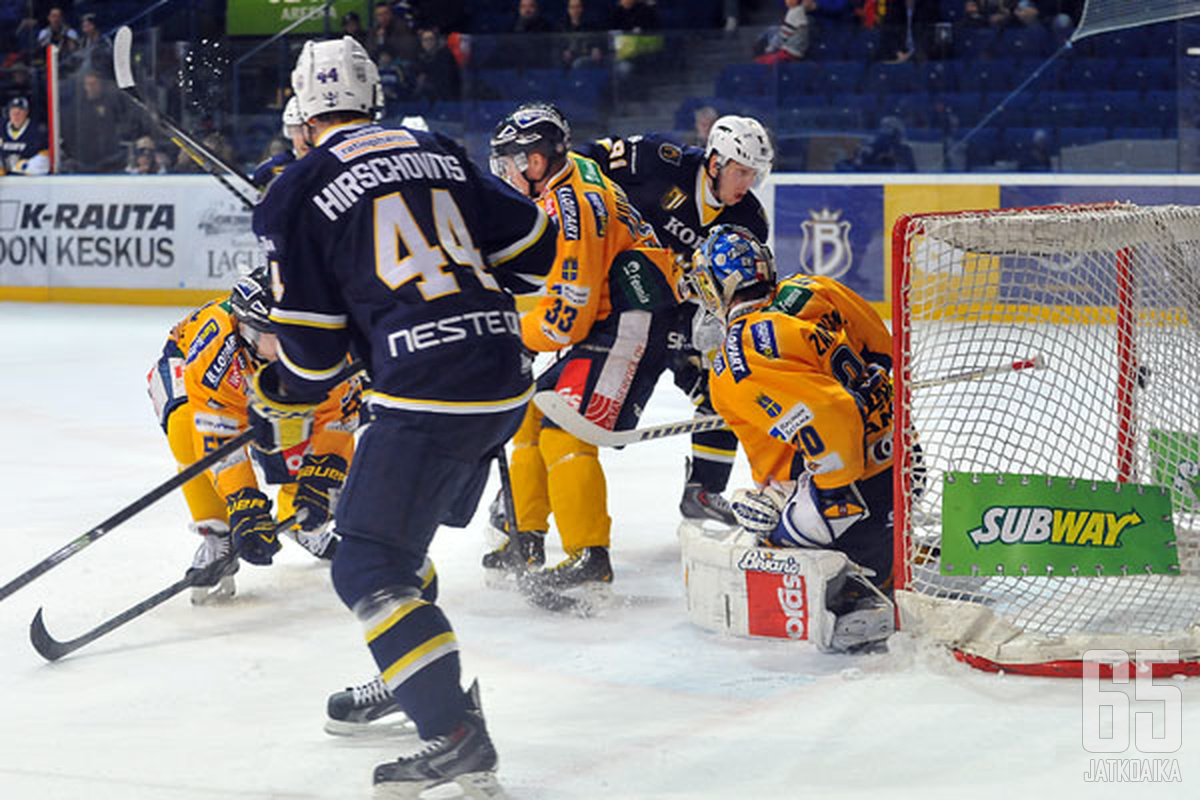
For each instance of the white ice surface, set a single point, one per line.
(228, 702)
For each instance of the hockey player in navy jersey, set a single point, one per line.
(684, 192)
(293, 131)
(23, 147)
(392, 245)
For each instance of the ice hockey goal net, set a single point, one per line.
(1060, 341)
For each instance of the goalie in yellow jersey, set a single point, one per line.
(198, 388)
(803, 376)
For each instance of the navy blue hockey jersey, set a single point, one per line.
(19, 145)
(269, 170)
(392, 245)
(665, 182)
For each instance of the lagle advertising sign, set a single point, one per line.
(1037, 525)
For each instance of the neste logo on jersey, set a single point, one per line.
(448, 330)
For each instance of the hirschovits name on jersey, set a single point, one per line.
(337, 196)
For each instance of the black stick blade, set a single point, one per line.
(47, 646)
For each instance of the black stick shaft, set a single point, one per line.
(52, 649)
(80, 542)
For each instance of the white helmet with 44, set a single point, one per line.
(335, 75)
(744, 140)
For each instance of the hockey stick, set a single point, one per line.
(985, 372)
(207, 160)
(52, 649)
(75, 545)
(564, 415)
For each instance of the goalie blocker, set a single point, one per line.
(819, 596)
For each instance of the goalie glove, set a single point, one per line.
(319, 481)
(815, 517)
(277, 423)
(759, 511)
(252, 526)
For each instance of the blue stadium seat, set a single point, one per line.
(827, 44)
(965, 106)
(891, 78)
(983, 148)
(1062, 109)
(862, 107)
(800, 78)
(864, 46)
(588, 86)
(988, 76)
(1160, 108)
(1093, 74)
(974, 44)
(1023, 42)
(844, 77)
(738, 80)
(938, 76)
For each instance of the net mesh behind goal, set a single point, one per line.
(1101, 16)
(1108, 298)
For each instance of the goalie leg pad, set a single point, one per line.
(812, 595)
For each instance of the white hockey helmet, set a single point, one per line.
(744, 140)
(415, 123)
(336, 75)
(291, 116)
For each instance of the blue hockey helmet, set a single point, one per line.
(731, 268)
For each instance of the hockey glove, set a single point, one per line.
(252, 525)
(277, 423)
(759, 512)
(815, 517)
(320, 481)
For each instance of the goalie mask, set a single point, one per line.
(251, 303)
(732, 272)
(532, 128)
(336, 75)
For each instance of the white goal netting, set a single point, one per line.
(1101, 16)
(1108, 298)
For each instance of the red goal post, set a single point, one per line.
(1104, 300)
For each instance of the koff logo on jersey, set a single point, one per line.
(825, 248)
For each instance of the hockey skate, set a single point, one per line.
(524, 551)
(216, 544)
(459, 764)
(368, 710)
(865, 616)
(581, 583)
(700, 505)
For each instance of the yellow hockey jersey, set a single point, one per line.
(595, 223)
(216, 372)
(790, 379)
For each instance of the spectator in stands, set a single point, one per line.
(393, 79)
(1026, 13)
(93, 130)
(972, 17)
(216, 143)
(634, 16)
(530, 19)
(437, 75)
(792, 41)
(582, 46)
(1038, 156)
(702, 119)
(93, 52)
(145, 158)
(24, 148)
(58, 32)
(352, 26)
(392, 35)
(886, 152)
(998, 12)
(908, 29)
